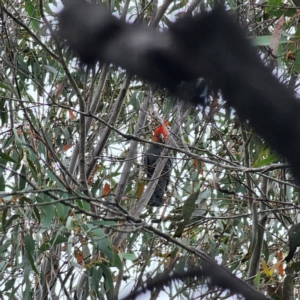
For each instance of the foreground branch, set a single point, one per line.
(210, 45)
(218, 277)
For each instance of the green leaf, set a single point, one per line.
(134, 101)
(53, 70)
(189, 206)
(118, 262)
(296, 67)
(33, 169)
(29, 250)
(2, 166)
(213, 249)
(62, 210)
(85, 205)
(267, 161)
(4, 215)
(290, 12)
(5, 86)
(53, 177)
(296, 2)
(29, 244)
(45, 246)
(9, 284)
(2, 183)
(23, 181)
(179, 229)
(6, 224)
(96, 275)
(46, 217)
(37, 213)
(3, 265)
(100, 238)
(104, 222)
(3, 112)
(7, 157)
(274, 8)
(59, 240)
(55, 241)
(129, 256)
(108, 281)
(69, 223)
(86, 253)
(274, 2)
(257, 279)
(96, 230)
(264, 40)
(105, 247)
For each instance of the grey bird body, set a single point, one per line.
(150, 160)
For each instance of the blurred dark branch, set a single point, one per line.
(30, 32)
(217, 275)
(209, 45)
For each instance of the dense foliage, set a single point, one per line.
(73, 190)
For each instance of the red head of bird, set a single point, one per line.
(161, 133)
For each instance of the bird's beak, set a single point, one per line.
(161, 137)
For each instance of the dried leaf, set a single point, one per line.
(106, 189)
(79, 257)
(198, 164)
(267, 271)
(140, 189)
(66, 147)
(59, 89)
(280, 259)
(72, 115)
(189, 205)
(275, 267)
(90, 180)
(290, 55)
(275, 39)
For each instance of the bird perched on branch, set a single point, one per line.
(150, 160)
